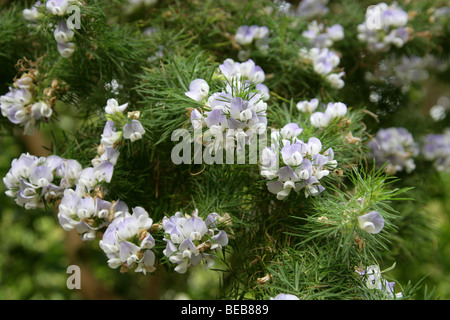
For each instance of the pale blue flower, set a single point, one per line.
(66, 49)
(103, 171)
(290, 130)
(304, 165)
(133, 130)
(371, 222)
(198, 90)
(110, 136)
(245, 34)
(308, 106)
(62, 33)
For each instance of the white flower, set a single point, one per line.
(33, 15)
(128, 242)
(290, 130)
(133, 130)
(22, 97)
(58, 7)
(335, 110)
(190, 238)
(371, 222)
(304, 165)
(384, 25)
(112, 107)
(66, 49)
(43, 108)
(334, 79)
(110, 136)
(320, 119)
(308, 106)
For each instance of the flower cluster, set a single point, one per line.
(24, 105)
(127, 241)
(321, 37)
(251, 35)
(395, 146)
(238, 112)
(191, 240)
(436, 148)
(35, 181)
(308, 106)
(63, 33)
(384, 26)
(88, 214)
(302, 164)
(374, 280)
(232, 71)
(324, 63)
(114, 87)
(83, 208)
(132, 129)
(246, 35)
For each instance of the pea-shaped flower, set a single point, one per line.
(112, 107)
(66, 49)
(285, 296)
(58, 7)
(371, 222)
(33, 15)
(62, 33)
(110, 136)
(291, 130)
(308, 106)
(133, 130)
(198, 90)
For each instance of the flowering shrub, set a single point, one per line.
(317, 108)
